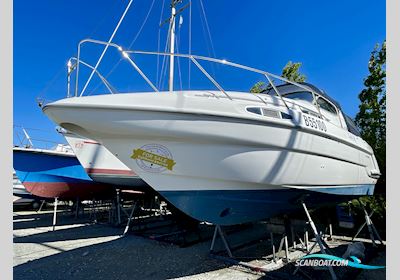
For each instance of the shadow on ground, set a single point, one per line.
(34, 220)
(75, 233)
(131, 257)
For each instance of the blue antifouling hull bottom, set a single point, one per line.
(230, 207)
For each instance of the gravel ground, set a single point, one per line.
(81, 250)
(89, 251)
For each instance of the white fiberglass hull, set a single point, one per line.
(224, 167)
(102, 166)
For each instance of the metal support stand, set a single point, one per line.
(41, 206)
(322, 245)
(118, 207)
(293, 236)
(283, 245)
(129, 219)
(286, 248)
(284, 242)
(306, 240)
(93, 211)
(273, 247)
(217, 230)
(371, 227)
(112, 216)
(55, 213)
(77, 208)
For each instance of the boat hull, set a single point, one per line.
(224, 167)
(229, 207)
(217, 188)
(102, 166)
(50, 175)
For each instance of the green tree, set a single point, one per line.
(371, 118)
(258, 87)
(290, 72)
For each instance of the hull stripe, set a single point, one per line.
(94, 171)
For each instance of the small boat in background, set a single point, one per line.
(55, 173)
(101, 165)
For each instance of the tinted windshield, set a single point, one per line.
(323, 104)
(300, 95)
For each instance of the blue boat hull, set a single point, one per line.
(51, 175)
(237, 207)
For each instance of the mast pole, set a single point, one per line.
(28, 138)
(172, 47)
(69, 65)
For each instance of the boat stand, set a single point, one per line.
(93, 211)
(371, 227)
(78, 207)
(283, 242)
(218, 230)
(55, 213)
(134, 206)
(114, 215)
(319, 240)
(118, 200)
(117, 206)
(236, 261)
(41, 206)
(283, 245)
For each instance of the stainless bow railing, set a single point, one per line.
(195, 60)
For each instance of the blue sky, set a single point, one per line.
(333, 40)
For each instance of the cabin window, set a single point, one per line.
(300, 95)
(271, 113)
(254, 110)
(312, 113)
(268, 113)
(286, 116)
(323, 104)
(351, 126)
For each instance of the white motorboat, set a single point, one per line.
(224, 160)
(228, 157)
